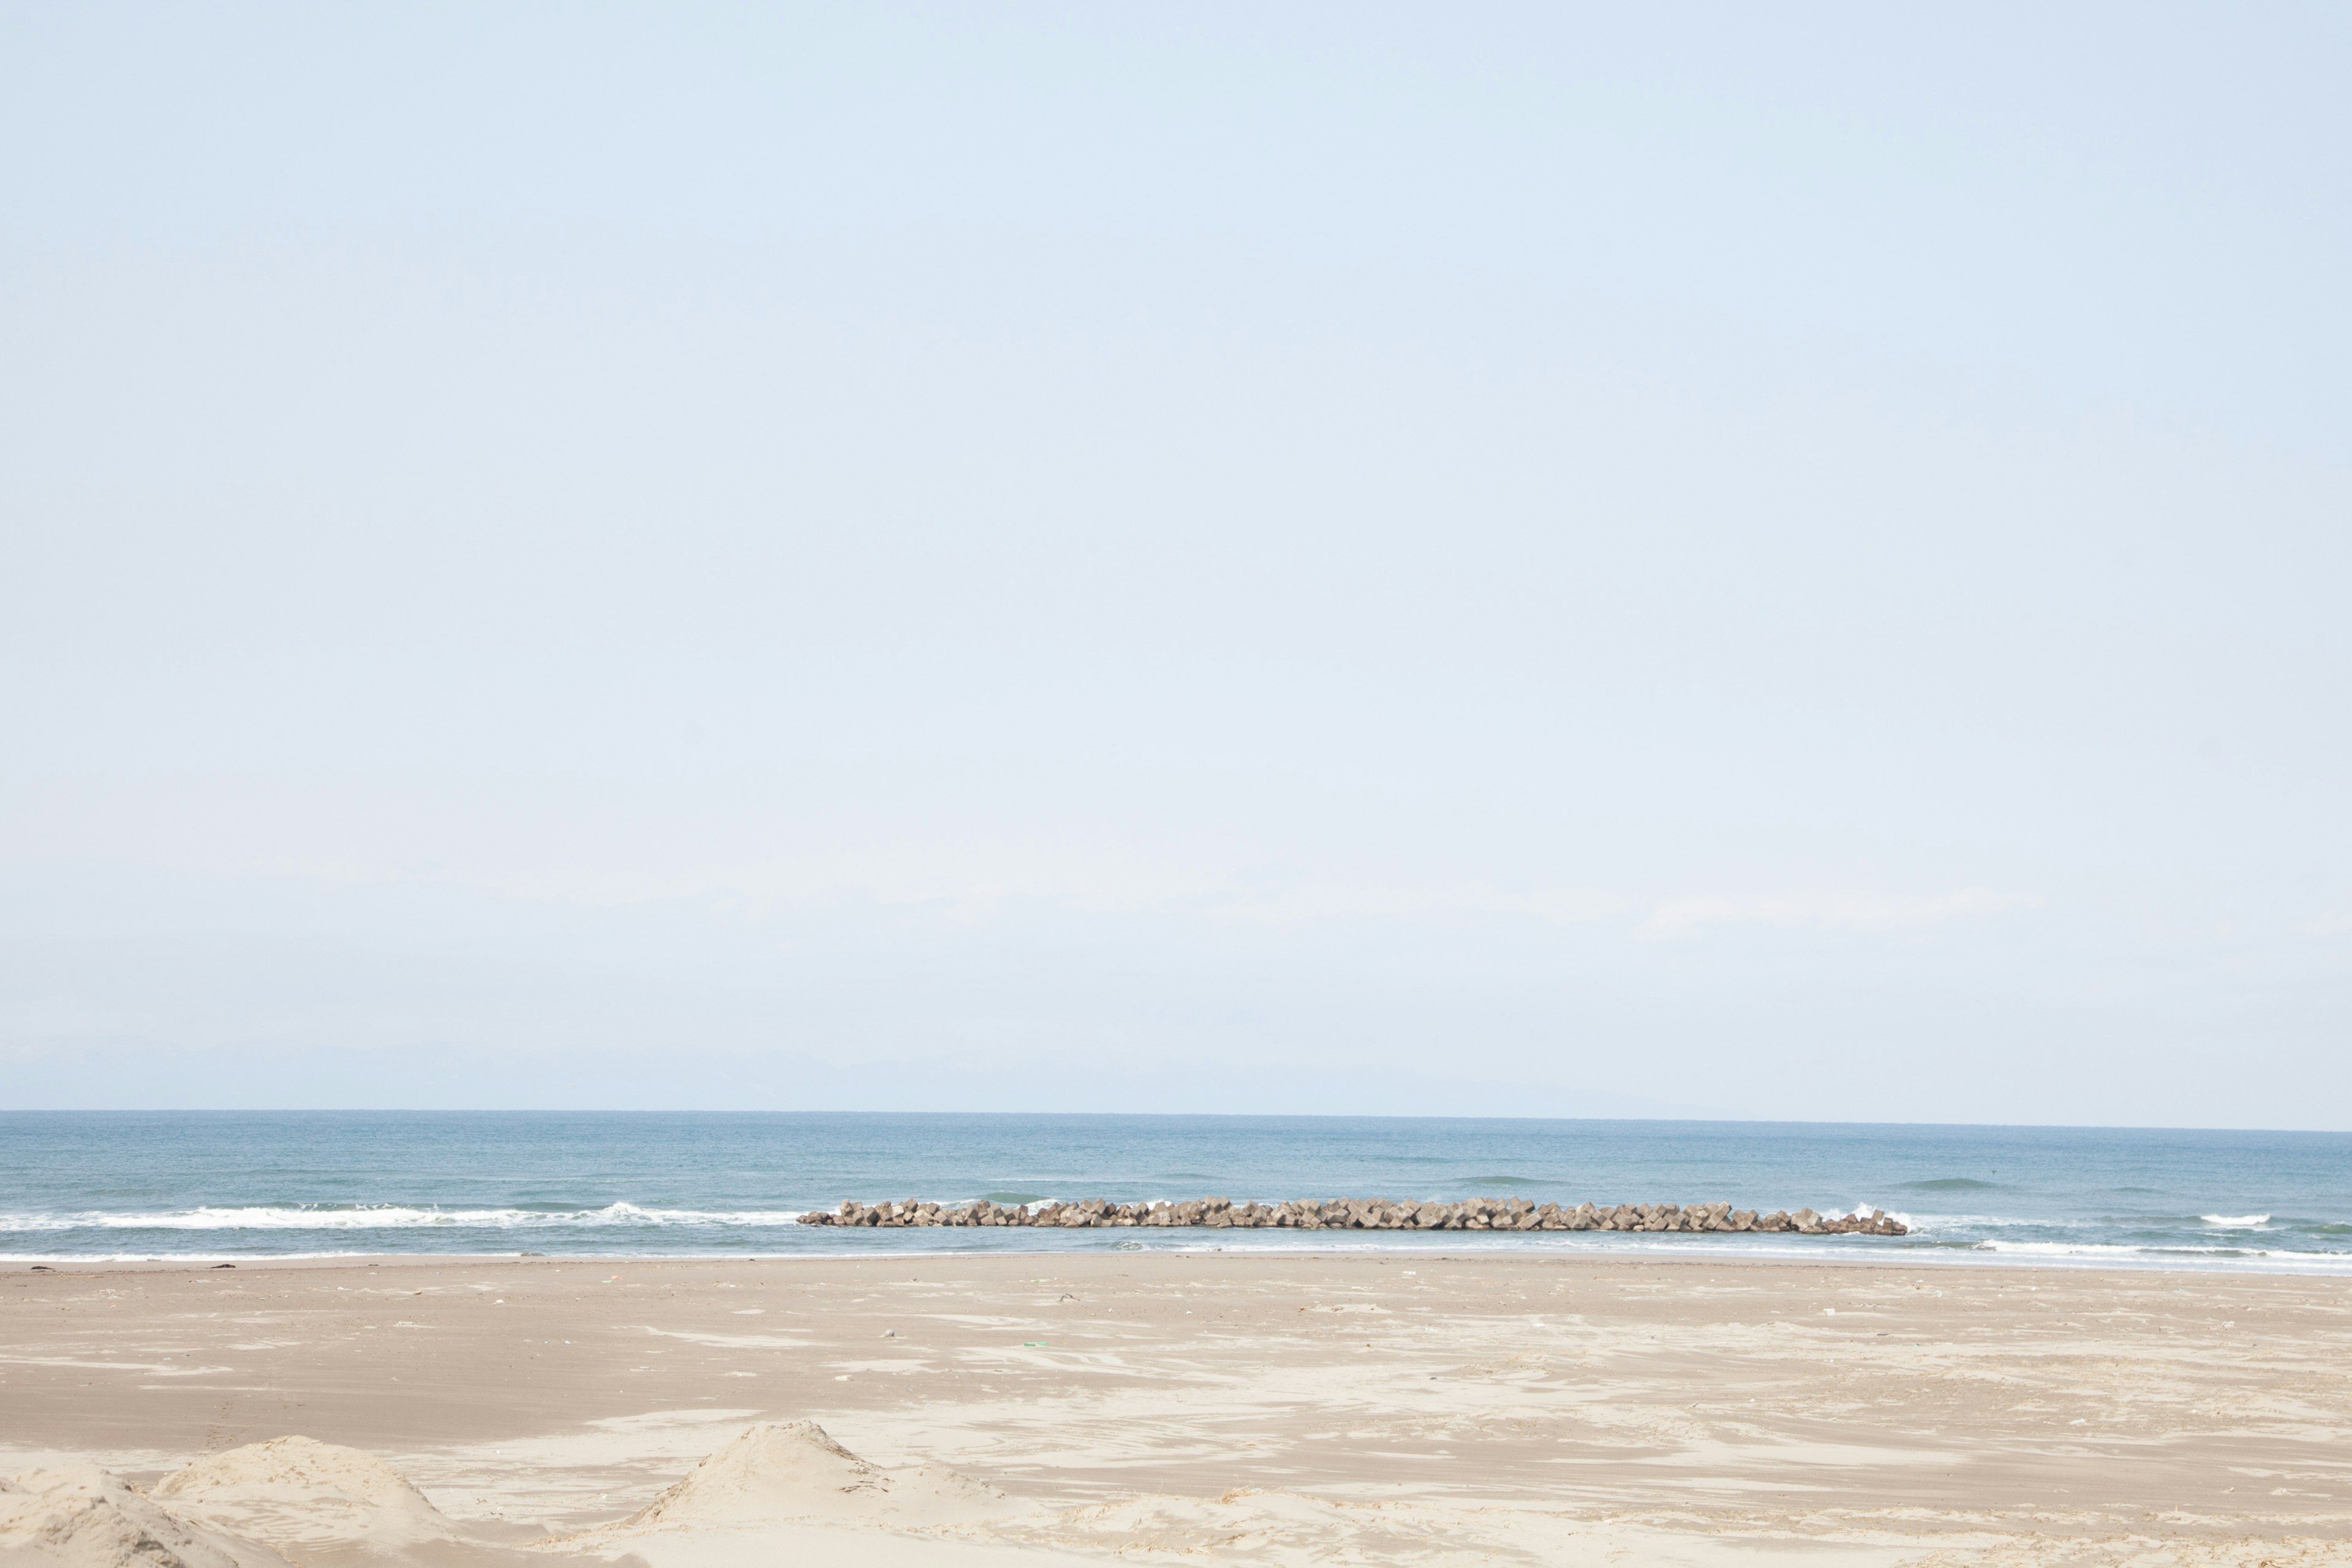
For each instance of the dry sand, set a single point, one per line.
(1203, 1407)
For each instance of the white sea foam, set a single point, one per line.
(2237, 1221)
(1785, 1248)
(2114, 1249)
(395, 1216)
(2169, 1255)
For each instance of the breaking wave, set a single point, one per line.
(393, 1216)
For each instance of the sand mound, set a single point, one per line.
(774, 1473)
(82, 1516)
(299, 1489)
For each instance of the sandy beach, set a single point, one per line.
(1184, 1407)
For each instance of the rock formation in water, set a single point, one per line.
(1363, 1214)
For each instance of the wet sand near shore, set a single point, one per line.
(1266, 1407)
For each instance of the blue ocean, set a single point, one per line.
(232, 1184)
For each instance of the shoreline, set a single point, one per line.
(1837, 1253)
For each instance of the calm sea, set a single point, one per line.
(230, 1185)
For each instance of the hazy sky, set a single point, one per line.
(1752, 561)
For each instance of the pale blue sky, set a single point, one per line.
(1330, 558)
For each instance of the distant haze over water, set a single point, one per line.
(229, 1184)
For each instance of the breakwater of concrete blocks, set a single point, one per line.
(1364, 1213)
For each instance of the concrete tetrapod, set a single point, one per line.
(1362, 1214)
